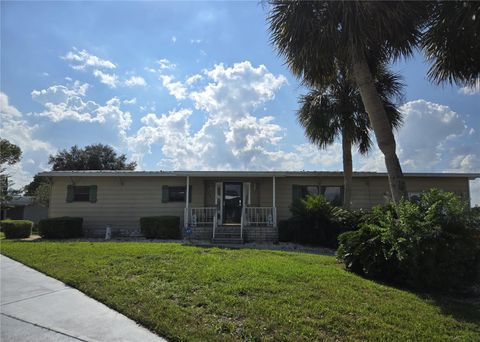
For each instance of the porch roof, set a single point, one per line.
(257, 174)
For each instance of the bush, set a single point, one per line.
(16, 229)
(429, 243)
(316, 221)
(161, 227)
(61, 227)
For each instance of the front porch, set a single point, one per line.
(237, 215)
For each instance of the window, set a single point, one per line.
(302, 191)
(84, 193)
(414, 196)
(333, 194)
(175, 194)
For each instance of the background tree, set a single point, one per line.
(10, 154)
(452, 42)
(92, 157)
(338, 110)
(316, 36)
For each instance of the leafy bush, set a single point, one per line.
(161, 227)
(430, 243)
(16, 229)
(316, 221)
(61, 227)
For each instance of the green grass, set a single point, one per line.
(191, 293)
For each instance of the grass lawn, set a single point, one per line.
(191, 293)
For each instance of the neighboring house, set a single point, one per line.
(242, 205)
(23, 208)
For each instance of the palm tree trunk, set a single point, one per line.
(347, 171)
(381, 127)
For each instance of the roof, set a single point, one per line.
(20, 201)
(109, 173)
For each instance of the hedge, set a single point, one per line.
(16, 229)
(161, 227)
(61, 227)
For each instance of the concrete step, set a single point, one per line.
(236, 241)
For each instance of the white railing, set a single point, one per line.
(202, 216)
(242, 222)
(214, 224)
(260, 216)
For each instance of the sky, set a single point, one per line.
(194, 86)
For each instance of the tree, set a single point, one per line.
(10, 154)
(338, 110)
(92, 157)
(39, 189)
(452, 42)
(317, 36)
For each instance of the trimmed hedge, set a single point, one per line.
(16, 229)
(161, 227)
(61, 227)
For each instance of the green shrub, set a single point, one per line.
(16, 229)
(429, 243)
(161, 227)
(316, 221)
(61, 227)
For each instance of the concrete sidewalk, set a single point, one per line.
(35, 307)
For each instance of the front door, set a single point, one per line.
(232, 202)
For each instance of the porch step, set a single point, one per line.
(219, 240)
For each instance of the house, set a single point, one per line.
(241, 205)
(23, 208)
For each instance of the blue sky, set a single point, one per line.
(192, 85)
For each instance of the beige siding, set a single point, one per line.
(122, 201)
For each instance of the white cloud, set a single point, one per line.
(109, 79)
(175, 88)
(135, 81)
(67, 103)
(231, 137)
(174, 39)
(131, 101)
(195, 41)
(84, 59)
(18, 130)
(240, 88)
(470, 90)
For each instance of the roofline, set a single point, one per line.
(125, 173)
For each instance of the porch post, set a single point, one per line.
(274, 209)
(187, 195)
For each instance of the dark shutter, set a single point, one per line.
(69, 193)
(296, 192)
(189, 194)
(322, 190)
(165, 194)
(93, 194)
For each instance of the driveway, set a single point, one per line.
(35, 307)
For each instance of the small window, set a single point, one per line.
(81, 193)
(414, 196)
(176, 194)
(302, 191)
(333, 194)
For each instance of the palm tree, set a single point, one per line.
(338, 110)
(452, 42)
(315, 36)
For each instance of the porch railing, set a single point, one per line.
(259, 216)
(204, 216)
